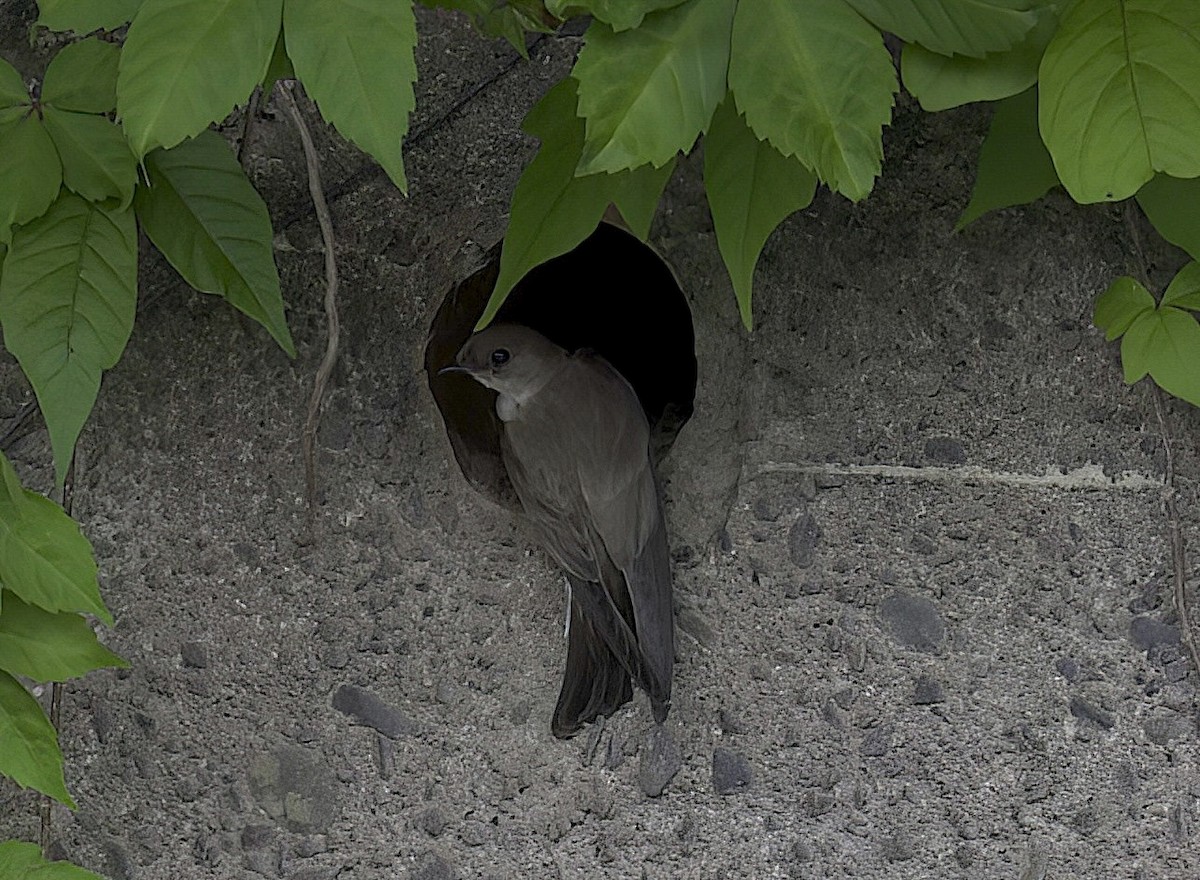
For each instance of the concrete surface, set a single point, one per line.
(921, 557)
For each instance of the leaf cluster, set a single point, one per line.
(1100, 96)
(47, 583)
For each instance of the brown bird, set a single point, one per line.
(575, 442)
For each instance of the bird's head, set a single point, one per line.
(510, 358)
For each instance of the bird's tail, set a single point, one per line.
(595, 682)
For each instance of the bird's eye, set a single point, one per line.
(500, 357)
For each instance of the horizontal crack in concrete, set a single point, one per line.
(1088, 478)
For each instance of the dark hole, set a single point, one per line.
(612, 294)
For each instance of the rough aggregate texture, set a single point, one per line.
(899, 660)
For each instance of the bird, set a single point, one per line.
(575, 442)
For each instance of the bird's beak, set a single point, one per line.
(453, 368)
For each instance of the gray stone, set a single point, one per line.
(660, 760)
(729, 722)
(1147, 633)
(922, 544)
(104, 720)
(117, 862)
(268, 863)
(730, 771)
(613, 756)
(994, 333)
(385, 756)
(928, 692)
(801, 851)
(818, 803)
(476, 833)
(257, 836)
(296, 788)
(336, 656)
(432, 822)
(1161, 731)
(765, 509)
(310, 845)
(364, 706)
(945, 450)
(803, 538)
(433, 867)
(913, 621)
(194, 654)
(1086, 821)
(1067, 668)
(877, 742)
(897, 848)
(1087, 711)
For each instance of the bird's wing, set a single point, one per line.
(553, 508)
(624, 507)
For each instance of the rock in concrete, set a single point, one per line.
(194, 654)
(945, 450)
(296, 788)
(913, 621)
(364, 706)
(433, 867)
(1148, 633)
(730, 771)
(928, 692)
(1081, 708)
(660, 761)
(803, 538)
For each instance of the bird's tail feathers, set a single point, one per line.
(595, 682)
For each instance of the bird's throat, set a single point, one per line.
(507, 407)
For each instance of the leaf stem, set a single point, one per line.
(321, 380)
(1178, 550)
(1170, 495)
(56, 688)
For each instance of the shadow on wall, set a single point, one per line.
(612, 294)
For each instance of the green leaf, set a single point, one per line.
(12, 88)
(96, 162)
(552, 210)
(355, 58)
(30, 756)
(648, 93)
(187, 63)
(1120, 95)
(1173, 206)
(512, 19)
(83, 77)
(85, 16)
(202, 213)
(816, 81)
(1014, 167)
(30, 173)
(751, 189)
(48, 646)
(44, 558)
(23, 861)
(940, 82)
(952, 27)
(1165, 343)
(621, 15)
(67, 301)
(280, 66)
(17, 859)
(1184, 290)
(1119, 306)
(637, 198)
